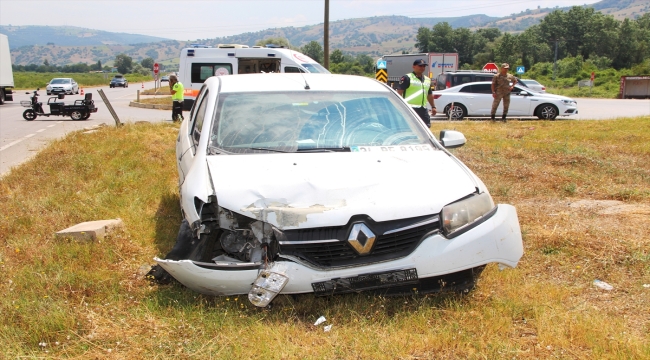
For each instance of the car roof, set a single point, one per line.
(294, 82)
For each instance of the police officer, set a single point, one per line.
(502, 85)
(416, 90)
(176, 89)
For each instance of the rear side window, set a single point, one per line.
(461, 79)
(482, 89)
(466, 89)
(202, 71)
(484, 78)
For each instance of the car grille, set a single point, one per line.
(302, 243)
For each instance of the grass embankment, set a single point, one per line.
(87, 300)
(32, 80)
(166, 100)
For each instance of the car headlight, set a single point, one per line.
(569, 102)
(462, 214)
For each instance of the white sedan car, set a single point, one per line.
(475, 99)
(326, 184)
(534, 85)
(62, 86)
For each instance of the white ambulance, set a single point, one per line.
(199, 63)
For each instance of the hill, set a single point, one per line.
(20, 36)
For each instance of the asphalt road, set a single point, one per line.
(21, 139)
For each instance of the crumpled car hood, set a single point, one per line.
(307, 190)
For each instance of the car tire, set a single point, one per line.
(29, 115)
(126, 85)
(77, 115)
(48, 93)
(77, 91)
(547, 112)
(459, 112)
(86, 116)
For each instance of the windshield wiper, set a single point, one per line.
(268, 149)
(325, 149)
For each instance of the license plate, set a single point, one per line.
(363, 282)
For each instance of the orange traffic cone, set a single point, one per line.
(82, 91)
(143, 85)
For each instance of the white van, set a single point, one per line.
(198, 64)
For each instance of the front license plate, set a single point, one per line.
(363, 282)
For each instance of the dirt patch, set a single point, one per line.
(610, 207)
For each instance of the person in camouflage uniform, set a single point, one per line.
(502, 85)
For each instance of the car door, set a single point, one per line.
(482, 99)
(520, 100)
(466, 97)
(186, 144)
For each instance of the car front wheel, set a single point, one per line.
(77, 115)
(547, 112)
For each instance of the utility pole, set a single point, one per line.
(326, 35)
(555, 61)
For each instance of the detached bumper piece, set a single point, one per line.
(365, 282)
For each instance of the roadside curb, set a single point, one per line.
(150, 106)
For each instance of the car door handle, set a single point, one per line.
(534, 100)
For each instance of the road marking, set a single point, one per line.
(51, 125)
(15, 142)
(58, 122)
(41, 130)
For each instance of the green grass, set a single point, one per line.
(32, 80)
(87, 300)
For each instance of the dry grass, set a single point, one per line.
(88, 300)
(163, 90)
(167, 100)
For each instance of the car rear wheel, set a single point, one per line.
(77, 115)
(547, 112)
(457, 113)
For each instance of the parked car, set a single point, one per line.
(534, 85)
(62, 86)
(455, 78)
(164, 78)
(475, 99)
(119, 80)
(326, 184)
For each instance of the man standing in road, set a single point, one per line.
(415, 88)
(502, 85)
(176, 89)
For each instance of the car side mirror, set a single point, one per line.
(452, 139)
(523, 93)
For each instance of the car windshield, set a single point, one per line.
(61, 81)
(313, 121)
(315, 68)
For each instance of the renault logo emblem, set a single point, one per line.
(361, 239)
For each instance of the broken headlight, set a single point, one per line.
(245, 239)
(460, 215)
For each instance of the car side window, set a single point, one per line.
(466, 89)
(292, 69)
(202, 71)
(482, 89)
(198, 122)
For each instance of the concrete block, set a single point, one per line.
(90, 230)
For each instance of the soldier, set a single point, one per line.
(502, 85)
(416, 90)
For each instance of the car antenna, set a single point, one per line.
(306, 84)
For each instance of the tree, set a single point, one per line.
(314, 50)
(123, 63)
(45, 62)
(423, 38)
(442, 38)
(147, 63)
(336, 57)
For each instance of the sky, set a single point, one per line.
(204, 19)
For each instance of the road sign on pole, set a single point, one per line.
(382, 75)
(381, 64)
(520, 69)
(155, 68)
(491, 67)
(593, 76)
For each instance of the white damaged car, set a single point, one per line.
(326, 184)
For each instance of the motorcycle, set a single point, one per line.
(80, 110)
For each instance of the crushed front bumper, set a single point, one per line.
(496, 240)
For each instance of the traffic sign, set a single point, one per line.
(491, 67)
(382, 75)
(593, 76)
(521, 69)
(155, 68)
(381, 64)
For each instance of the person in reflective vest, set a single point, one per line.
(415, 88)
(176, 89)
